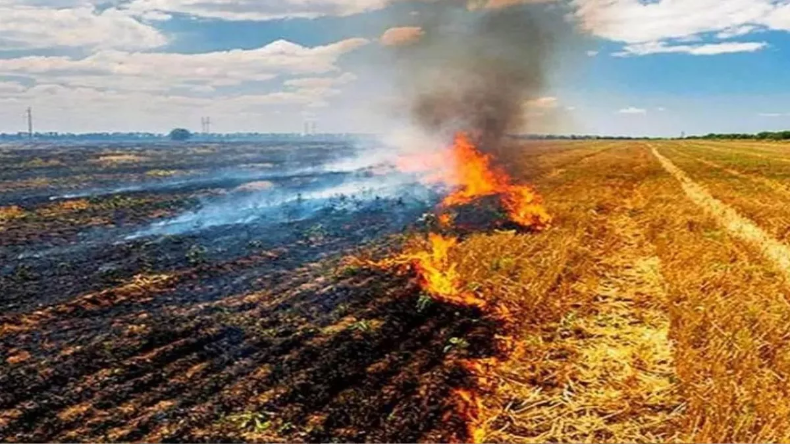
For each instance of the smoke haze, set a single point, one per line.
(476, 71)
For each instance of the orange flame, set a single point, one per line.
(473, 176)
(476, 177)
(525, 208)
(438, 275)
(469, 408)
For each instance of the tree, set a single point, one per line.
(180, 134)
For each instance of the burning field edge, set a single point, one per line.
(608, 308)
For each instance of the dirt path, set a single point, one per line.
(613, 361)
(738, 226)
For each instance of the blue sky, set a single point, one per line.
(630, 67)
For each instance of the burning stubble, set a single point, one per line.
(469, 75)
(475, 71)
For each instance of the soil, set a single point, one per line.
(244, 332)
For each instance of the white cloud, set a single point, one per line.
(283, 9)
(321, 82)
(701, 49)
(118, 90)
(120, 70)
(11, 87)
(542, 111)
(497, 4)
(771, 115)
(635, 21)
(155, 16)
(736, 31)
(256, 9)
(632, 111)
(592, 53)
(663, 26)
(81, 25)
(402, 36)
(61, 108)
(779, 18)
(543, 103)
(319, 89)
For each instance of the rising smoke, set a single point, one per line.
(475, 67)
(464, 68)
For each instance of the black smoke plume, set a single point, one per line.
(475, 70)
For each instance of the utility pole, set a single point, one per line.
(205, 125)
(30, 123)
(208, 125)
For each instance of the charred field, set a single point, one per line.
(115, 311)
(291, 292)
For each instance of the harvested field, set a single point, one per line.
(257, 292)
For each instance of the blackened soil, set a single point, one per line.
(237, 333)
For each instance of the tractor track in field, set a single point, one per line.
(772, 184)
(747, 153)
(739, 226)
(561, 168)
(762, 147)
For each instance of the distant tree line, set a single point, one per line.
(81, 136)
(579, 137)
(156, 137)
(765, 135)
(251, 137)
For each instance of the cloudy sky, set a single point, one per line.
(633, 67)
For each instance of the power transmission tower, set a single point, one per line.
(30, 123)
(205, 125)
